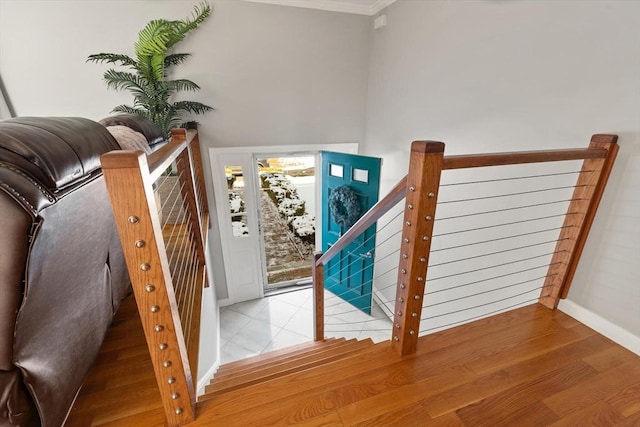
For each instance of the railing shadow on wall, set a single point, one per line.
(477, 235)
(161, 212)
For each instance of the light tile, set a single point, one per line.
(231, 352)
(286, 339)
(279, 321)
(256, 335)
(296, 298)
(249, 308)
(231, 322)
(276, 312)
(301, 323)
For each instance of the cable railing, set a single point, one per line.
(478, 235)
(161, 213)
(494, 236)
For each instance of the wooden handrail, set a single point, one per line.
(515, 158)
(161, 159)
(394, 196)
(397, 193)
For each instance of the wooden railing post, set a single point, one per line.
(130, 190)
(318, 298)
(423, 181)
(577, 223)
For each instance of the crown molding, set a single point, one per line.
(332, 5)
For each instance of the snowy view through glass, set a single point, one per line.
(287, 205)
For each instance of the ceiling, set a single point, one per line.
(361, 7)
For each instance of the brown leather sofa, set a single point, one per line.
(62, 272)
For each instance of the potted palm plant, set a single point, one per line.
(147, 77)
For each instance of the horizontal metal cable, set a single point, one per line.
(347, 292)
(502, 238)
(505, 209)
(482, 305)
(504, 224)
(378, 244)
(490, 278)
(494, 266)
(495, 253)
(513, 178)
(360, 271)
(177, 195)
(510, 194)
(478, 317)
(488, 291)
(161, 180)
(171, 241)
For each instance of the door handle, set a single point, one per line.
(366, 255)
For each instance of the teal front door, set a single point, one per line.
(356, 179)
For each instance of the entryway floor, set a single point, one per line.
(254, 327)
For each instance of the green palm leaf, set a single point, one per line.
(182, 85)
(191, 107)
(147, 81)
(175, 59)
(112, 58)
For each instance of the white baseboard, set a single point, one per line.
(613, 332)
(204, 381)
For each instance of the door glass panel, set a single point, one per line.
(336, 170)
(361, 175)
(236, 196)
(287, 199)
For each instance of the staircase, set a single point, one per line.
(277, 364)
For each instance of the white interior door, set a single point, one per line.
(235, 180)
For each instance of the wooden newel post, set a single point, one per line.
(127, 179)
(423, 181)
(577, 223)
(318, 298)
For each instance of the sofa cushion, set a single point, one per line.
(56, 151)
(150, 130)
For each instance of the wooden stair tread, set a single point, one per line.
(265, 357)
(276, 370)
(281, 358)
(281, 386)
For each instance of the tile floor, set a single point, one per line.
(253, 327)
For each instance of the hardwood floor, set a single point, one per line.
(528, 367)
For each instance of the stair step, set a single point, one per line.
(284, 385)
(255, 361)
(282, 356)
(279, 369)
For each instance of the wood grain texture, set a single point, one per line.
(570, 383)
(581, 211)
(317, 273)
(520, 157)
(423, 183)
(140, 232)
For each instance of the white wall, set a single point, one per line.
(521, 75)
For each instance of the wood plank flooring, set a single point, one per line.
(527, 367)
